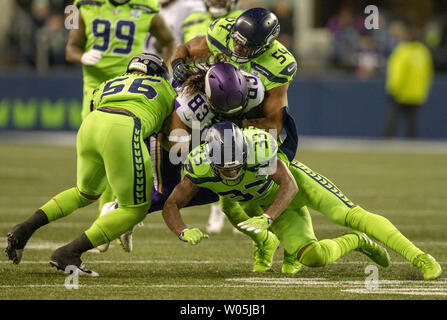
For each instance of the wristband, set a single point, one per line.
(269, 219)
(181, 234)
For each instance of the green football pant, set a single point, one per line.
(294, 226)
(110, 149)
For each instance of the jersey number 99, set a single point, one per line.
(124, 32)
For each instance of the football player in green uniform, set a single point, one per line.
(110, 33)
(242, 167)
(249, 42)
(248, 39)
(197, 23)
(110, 147)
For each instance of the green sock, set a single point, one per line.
(383, 230)
(115, 223)
(64, 203)
(324, 252)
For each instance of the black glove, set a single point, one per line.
(180, 71)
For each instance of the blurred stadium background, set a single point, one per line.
(340, 105)
(338, 89)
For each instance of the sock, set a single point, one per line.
(383, 230)
(64, 203)
(80, 245)
(324, 252)
(37, 220)
(115, 223)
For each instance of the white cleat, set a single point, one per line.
(216, 220)
(108, 207)
(126, 240)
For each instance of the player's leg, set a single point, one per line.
(130, 175)
(323, 196)
(295, 232)
(265, 242)
(64, 203)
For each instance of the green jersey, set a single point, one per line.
(150, 98)
(256, 185)
(276, 66)
(118, 31)
(197, 23)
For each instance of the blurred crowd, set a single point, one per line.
(355, 49)
(33, 36)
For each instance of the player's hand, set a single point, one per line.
(256, 224)
(192, 236)
(91, 57)
(180, 71)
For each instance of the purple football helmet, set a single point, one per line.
(226, 90)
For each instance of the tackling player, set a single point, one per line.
(110, 33)
(249, 41)
(110, 147)
(242, 167)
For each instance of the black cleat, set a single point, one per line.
(70, 262)
(17, 239)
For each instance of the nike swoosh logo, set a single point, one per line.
(289, 69)
(186, 118)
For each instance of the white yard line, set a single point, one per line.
(313, 143)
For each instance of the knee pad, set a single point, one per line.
(313, 256)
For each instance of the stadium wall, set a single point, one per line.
(323, 107)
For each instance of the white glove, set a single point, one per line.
(91, 57)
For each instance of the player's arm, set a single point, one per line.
(275, 101)
(180, 197)
(76, 42)
(161, 31)
(286, 192)
(193, 50)
(175, 134)
(284, 196)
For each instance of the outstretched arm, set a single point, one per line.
(286, 192)
(179, 198)
(284, 196)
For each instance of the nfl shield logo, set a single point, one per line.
(135, 14)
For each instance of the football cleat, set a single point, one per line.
(81, 270)
(16, 241)
(290, 264)
(216, 220)
(264, 253)
(372, 250)
(66, 260)
(428, 266)
(126, 240)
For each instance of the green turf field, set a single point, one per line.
(408, 188)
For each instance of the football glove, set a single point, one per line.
(180, 71)
(256, 224)
(91, 57)
(192, 236)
